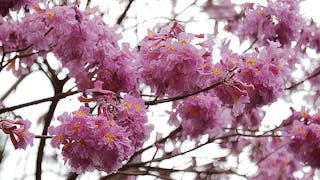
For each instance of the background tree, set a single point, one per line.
(125, 91)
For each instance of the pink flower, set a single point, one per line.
(200, 115)
(303, 136)
(80, 40)
(18, 132)
(132, 116)
(172, 64)
(90, 142)
(279, 21)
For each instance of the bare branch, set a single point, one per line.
(123, 15)
(183, 96)
(53, 98)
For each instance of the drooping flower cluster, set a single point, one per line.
(303, 136)
(171, 63)
(91, 142)
(250, 119)
(273, 160)
(201, 114)
(310, 38)
(220, 10)
(105, 140)
(257, 79)
(278, 21)
(18, 132)
(132, 116)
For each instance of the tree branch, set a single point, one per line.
(53, 98)
(154, 102)
(162, 140)
(42, 143)
(58, 88)
(315, 73)
(123, 15)
(14, 86)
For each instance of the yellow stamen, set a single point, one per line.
(37, 8)
(61, 137)
(251, 62)
(233, 60)
(90, 11)
(80, 114)
(76, 127)
(111, 123)
(260, 13)
(184, 41)
(110, 137)
(170, 48)
(301, 131)
(138, 107)
(127, 105)
(50, 14)
(304, 113)
(217, 71)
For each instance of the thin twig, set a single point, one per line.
(42, 136)
(160, 141)
(314, 74)
(13, 87)
(123, 15)
(53, 98)
(251, 45)
(154, 102)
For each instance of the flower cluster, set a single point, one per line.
(132, 116)
(278, 21)
(82, 42)
(105, 140)
(171, 63)
(273, 160)
(18, 132)
(91, 141)
(201, 115)
(310, 37)
(258, 78)
(302, 133)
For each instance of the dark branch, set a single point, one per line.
(160, 141)
(315, 73)
(183, 96)
(42, 143)
(123, 15)
(13, 87)
(53, 98)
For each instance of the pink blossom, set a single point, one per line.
(200, 115)
(90, 142)
(132, 116)
(83, 43)
(302, 135)
(278, 21)
(18, 132)
(171, 63)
